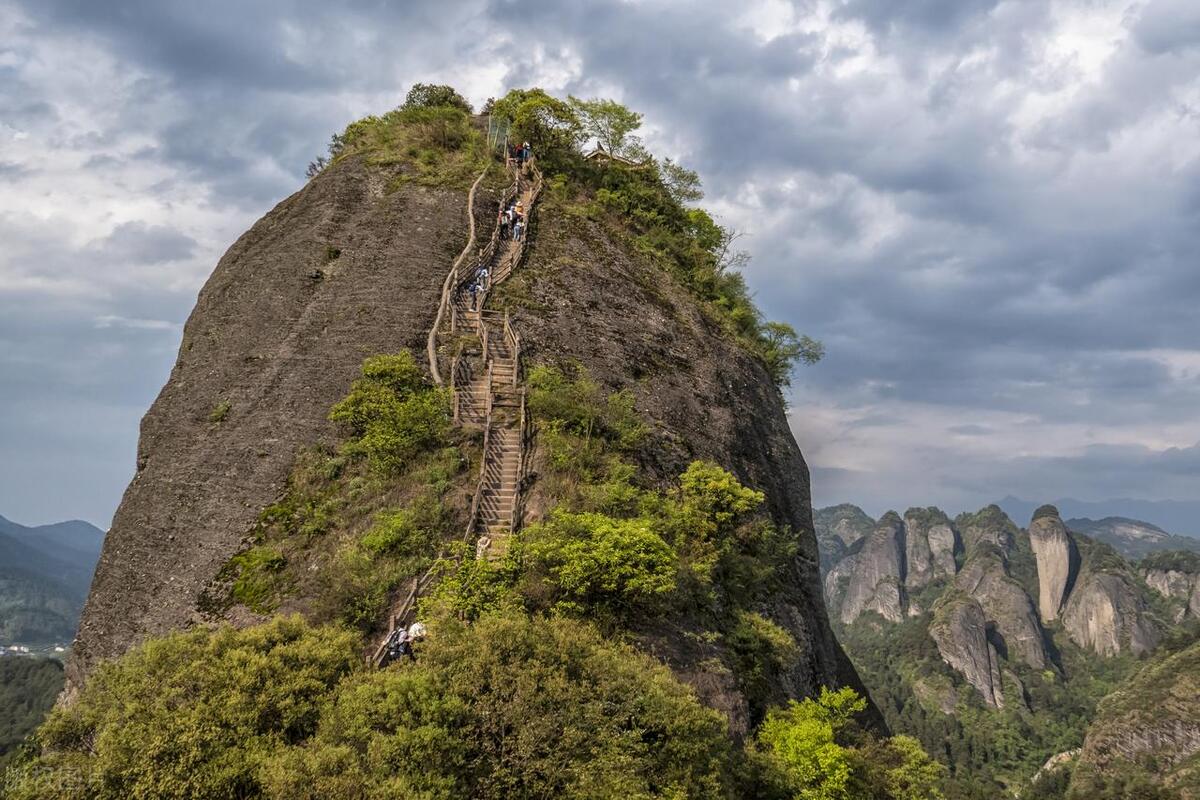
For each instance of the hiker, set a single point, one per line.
(474, 294)
(399, 644)
(526, 152)
(504, 223)
(518, 227)
(483, 277)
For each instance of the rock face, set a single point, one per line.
(873, 575)
(281, 329)
(1019, 634)
(1057, 560)
(277, 335)
(1154, 718)
(1107, 614)
(1176, 576)
(930, 546)
(838, 529)
(960, 630)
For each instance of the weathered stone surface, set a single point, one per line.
(985, 577)
(930, 543)
(960, 630)
(1154, 718)
(874, 574)
(1106, 614)
(1057, 560)
(1170, 582)
(838, 529)
(280, 331)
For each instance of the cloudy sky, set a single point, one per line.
(988, 211)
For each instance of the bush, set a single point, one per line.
(762, 652)
(513, 707)
(191, 715)
(814, 751)
(393, 413)
(592, 561)
(430, 95)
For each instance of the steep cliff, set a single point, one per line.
(1107, 610)
(1176, 576)
(588, 295)
(960, 629)
(985, 577)
(838, 528)
(872, 577)
(931, 546)
(340, 270)
(352, 265)
(1057, 560)
(1151, 723)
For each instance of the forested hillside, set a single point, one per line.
(995, 645)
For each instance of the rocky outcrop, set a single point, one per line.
(1057, 560)
(838, 529)
(1019, 633)
(1176, 576)
(1153, 719)
(871, 579)
(987, 526)
(336, 272)
(352, 265)
(1108, 615)
(930, 546)
(960, 630)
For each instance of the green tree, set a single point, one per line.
(550, 125)
(192, 715)
(800, 741)
(682, 183)
(513, 707)
(590, 561)
(392, 412)
(780, 348)
(434, 95)
(715, 493)
(611, 124)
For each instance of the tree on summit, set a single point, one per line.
(435, 95)
(612, 125)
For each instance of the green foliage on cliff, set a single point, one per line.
(812, 750)
(1178, 560)
(392, 412)
(644, 204)
(191, 715)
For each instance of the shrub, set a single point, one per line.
(513, 707)
(191, 715)
(762, 651)
(594, 561)
(800, 742)
(220, 412)
(430, 95)
(393, 413)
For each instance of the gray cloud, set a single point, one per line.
(987, 209)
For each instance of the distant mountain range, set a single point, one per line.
(1178, 517)
(45, 572)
